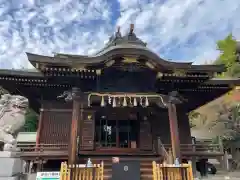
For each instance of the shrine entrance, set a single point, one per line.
(117, 132)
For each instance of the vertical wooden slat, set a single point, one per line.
(102, 170)
(173, 173)
(80, 173)
(76, 172)
(98, 172)
(64, 171)
(84, 173)
(154, 170)
(157, 171)
(190, 172)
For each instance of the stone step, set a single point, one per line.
(145, 165)
(146, 172)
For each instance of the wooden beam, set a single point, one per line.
(55, 110)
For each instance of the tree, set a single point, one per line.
(228, 56)
(194, 116)
(31, 123)
(229, 116)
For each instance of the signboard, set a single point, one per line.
(54, 175)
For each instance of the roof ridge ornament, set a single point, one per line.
(118, 33)
(118, 29)
(117, 38)
(131, 29)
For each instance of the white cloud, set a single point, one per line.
(178, 30)
(189, 28)
(67, 27)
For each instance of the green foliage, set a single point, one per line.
(230, 118)
(228, 56)
(234, 71)
(227, 47)
(192, 116)
(31, 121)
(195, 116)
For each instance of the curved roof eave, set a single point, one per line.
(224, 81)
(104, 56)
(123, 50)
(21, 73)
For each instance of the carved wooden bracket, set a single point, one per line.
(71, 94)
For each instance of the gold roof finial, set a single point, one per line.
(131, 28)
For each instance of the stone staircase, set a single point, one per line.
(145, 165)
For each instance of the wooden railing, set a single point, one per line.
(42, 147)
(181, 172)
(64, 147)
(79, 172)
(114, 145)
(161, 150)
(197, 147)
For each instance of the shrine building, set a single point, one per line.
(124, 101)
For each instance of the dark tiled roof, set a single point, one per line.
(21, 73)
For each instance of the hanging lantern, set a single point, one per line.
(124, 102)
(146, 102)
(102, 102)
(114, 102)
(135, 102)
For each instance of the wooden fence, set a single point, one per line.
(167, 172)
(79, 172)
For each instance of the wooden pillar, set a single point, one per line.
(194, 158)
(174, 131)
(40, 122)
(72, 149)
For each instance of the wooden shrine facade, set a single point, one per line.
(123, 100)
(123, 125)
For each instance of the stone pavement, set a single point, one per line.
(222, 176)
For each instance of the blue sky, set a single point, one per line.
(181, 30)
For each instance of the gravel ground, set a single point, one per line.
(223, 176)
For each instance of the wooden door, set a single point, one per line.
(87, 131)
(145, 135)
